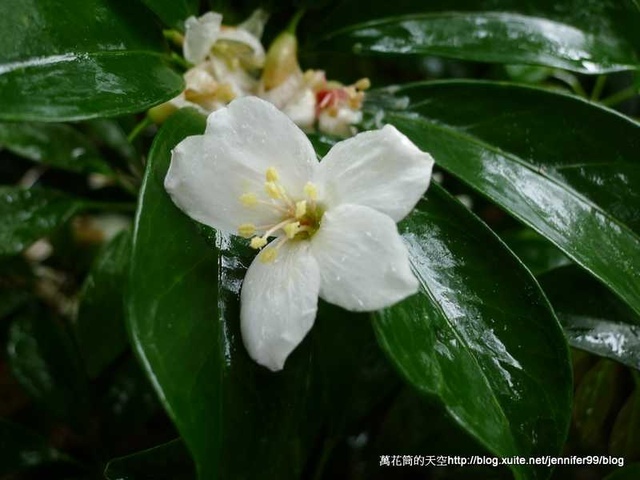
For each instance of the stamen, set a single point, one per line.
(249, 199)
(363, 84)
(291, 229)
(247, 230)
(273, 190)
(272, 174)
(301, 208)
(258, 242)
(311, 191)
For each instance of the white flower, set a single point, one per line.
(225, 61)
(255, 173)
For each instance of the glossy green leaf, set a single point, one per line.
(100, 325)
(173, 12)
(74, 59)
(480, 335)
(183, 313)
(57, 145)
(28, 215)
(593, 318)
(22, 449)
(44, 360)
(170, 461)
(543, 175)
(594, 37)
(534, 251)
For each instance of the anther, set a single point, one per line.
(258, 242)
(363, 84)
(273, 190)
(301, 208)
(247, 230)
(311, 191)
(268, 255)
(249, 199)
(272, 175)
(291, 229)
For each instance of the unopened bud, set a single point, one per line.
(281, 61)
(160, 113)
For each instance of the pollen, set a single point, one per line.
(249, 199)
(258, 242)
(268, 255)
(301, 208)
(272, 175)
(247, 230)
(291, 229)
(311, 191)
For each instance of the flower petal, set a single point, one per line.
(381, 169)
(364, 265)
(200, 35)
(279, 301)
(253, 132)
(206, 184)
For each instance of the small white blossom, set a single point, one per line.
(325, 229)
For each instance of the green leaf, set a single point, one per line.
(624, 440)
(598, 399)
(534, 251)
(593, 318)
(22, 449)
(588, 38)
(100, 326)
(75, 59)
(173, 12)
(43, 359)
(170, 461)
(28, 215)
(480, 335)
(183, 314)
(58, 145)
(543, 176)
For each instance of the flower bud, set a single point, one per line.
(281, 61)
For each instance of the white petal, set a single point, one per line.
(340, 124)
(240, 81)
(285, 92)
(302, 109)
(381, 169)
(256, 134)
(364, 265)
(279, 301)
(200, 35)
(206, 181)
(247, 48)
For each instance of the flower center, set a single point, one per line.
(299, 220)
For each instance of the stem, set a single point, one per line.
(598, 87)
(620, 96)
(327, 449)
(139, 128)
(180, 61)
(293, 24)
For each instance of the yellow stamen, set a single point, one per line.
(311, 191)
(272, 174)
(301, 208)
(273, 190)
(291, 229)
(247, 230)
(258, 242)
(249, 199)
(363, 84)
(268, 255)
